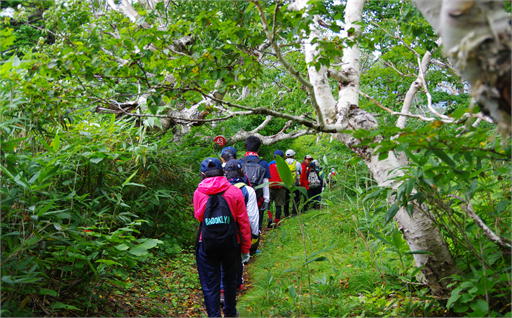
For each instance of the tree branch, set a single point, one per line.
(307, 85)
(421, 77)
(264, 111)
(413, 89)
(501, 242)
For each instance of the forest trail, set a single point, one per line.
(317, 263)
(164, 288)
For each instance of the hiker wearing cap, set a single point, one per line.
(278, 193)
(235, 175)
(296, 171)
(257, 173)
(304, 176)
(227, 153)
(224, 233)
(316, 183)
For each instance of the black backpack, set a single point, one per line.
(218, 229)
(254, 172)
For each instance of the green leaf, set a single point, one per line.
(374, 194)
(480, 308)
(142, 249)
(292, 291)
(49, 292)
(108, 262)
(135, 184)
(129, 178)
(316, 259)
(284, 172)
(444, 157)
(59, 305)
(122, 247)
(391, 212)
(96, 160)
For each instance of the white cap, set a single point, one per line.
(289, 153)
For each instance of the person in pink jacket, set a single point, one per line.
(209, 263)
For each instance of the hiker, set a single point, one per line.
(224, 233)
(330, 178)
(227, 153)
(257, 173)
(277, 192)
(235, 176)
(315, 182)
(304, 182)
(296, 170)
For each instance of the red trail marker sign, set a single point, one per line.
(220, 140)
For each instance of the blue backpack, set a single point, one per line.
(218, 229)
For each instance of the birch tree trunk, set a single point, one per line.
(419, 230)
(477, 38)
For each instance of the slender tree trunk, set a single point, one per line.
(419, 230)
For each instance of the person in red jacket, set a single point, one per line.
(209, 264)
(304, 177)
(278, 194)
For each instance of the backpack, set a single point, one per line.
(274, 177)
(218, 229)
(293, 168)
(314, 180)
(241, 186)
(254, 172)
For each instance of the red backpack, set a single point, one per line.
(274, 176)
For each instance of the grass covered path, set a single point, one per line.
(322, 264)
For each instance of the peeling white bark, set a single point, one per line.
(477, 38)
(318, 77)
(419, 230)
(348, 95)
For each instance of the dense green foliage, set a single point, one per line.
(355, 272)
(93, 186)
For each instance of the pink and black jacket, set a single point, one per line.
(236, 203)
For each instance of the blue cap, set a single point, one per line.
(230, 149)
(278, 153)
(232, 164)
(210, 164)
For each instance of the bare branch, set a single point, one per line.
(268, 140)
(307, 85)
(392, 112)
(337, 75)
(389, 64)
(262, 125)
(501, 242)
(265, 111)
(120, 108)
(413, 89)
(429, 97)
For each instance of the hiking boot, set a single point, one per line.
(270, 223)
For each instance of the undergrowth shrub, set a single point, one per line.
(81, 205)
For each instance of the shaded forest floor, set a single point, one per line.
(162, 288)
(321, 263)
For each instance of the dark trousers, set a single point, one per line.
(209, 267)
(314, 197)
(296, 201)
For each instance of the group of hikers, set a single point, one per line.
(230, 202)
